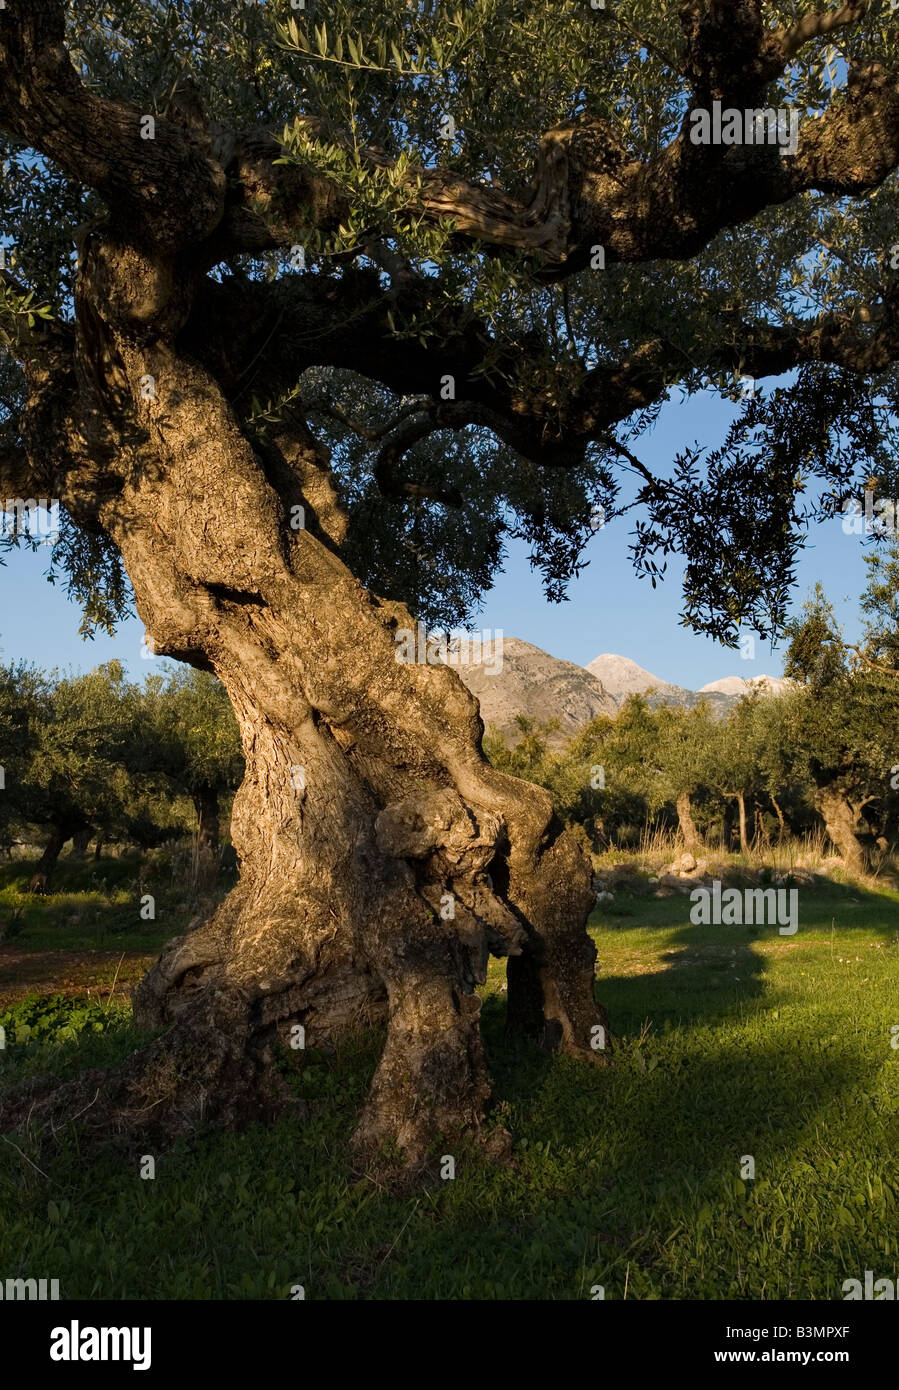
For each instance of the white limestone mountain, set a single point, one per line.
(741, 685)
(623, 677)
(531, 682)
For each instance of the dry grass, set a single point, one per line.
(812, 853)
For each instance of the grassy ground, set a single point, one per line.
(89, 935)
(730, 1042)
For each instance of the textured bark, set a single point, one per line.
(841, 820)
(366, 813)
(381, 857)
(689, 832)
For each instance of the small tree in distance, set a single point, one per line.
(840, 726)
(193, 740)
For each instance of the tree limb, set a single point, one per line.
(818, 24)
(585, 190)
(875, 666)
(169, 188)
(344, 323)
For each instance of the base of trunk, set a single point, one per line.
(233, 999)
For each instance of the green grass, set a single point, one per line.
(94, 905)
(730, 1042)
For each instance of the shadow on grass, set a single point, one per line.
(622, 1174)
(709, 970)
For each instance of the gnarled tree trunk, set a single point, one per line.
(841, 820)
(689, 832)
(381, 857)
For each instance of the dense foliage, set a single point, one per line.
(560, 368)
(101, 757)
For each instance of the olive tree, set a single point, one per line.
(839, 727)
(192, 740)
(305, 313)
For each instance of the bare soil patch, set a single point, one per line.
(69, 972)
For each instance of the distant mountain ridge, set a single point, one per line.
(741, 685)
(623, 677)
(533, 683)
(529, 681)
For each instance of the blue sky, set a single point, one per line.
(610, 609)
